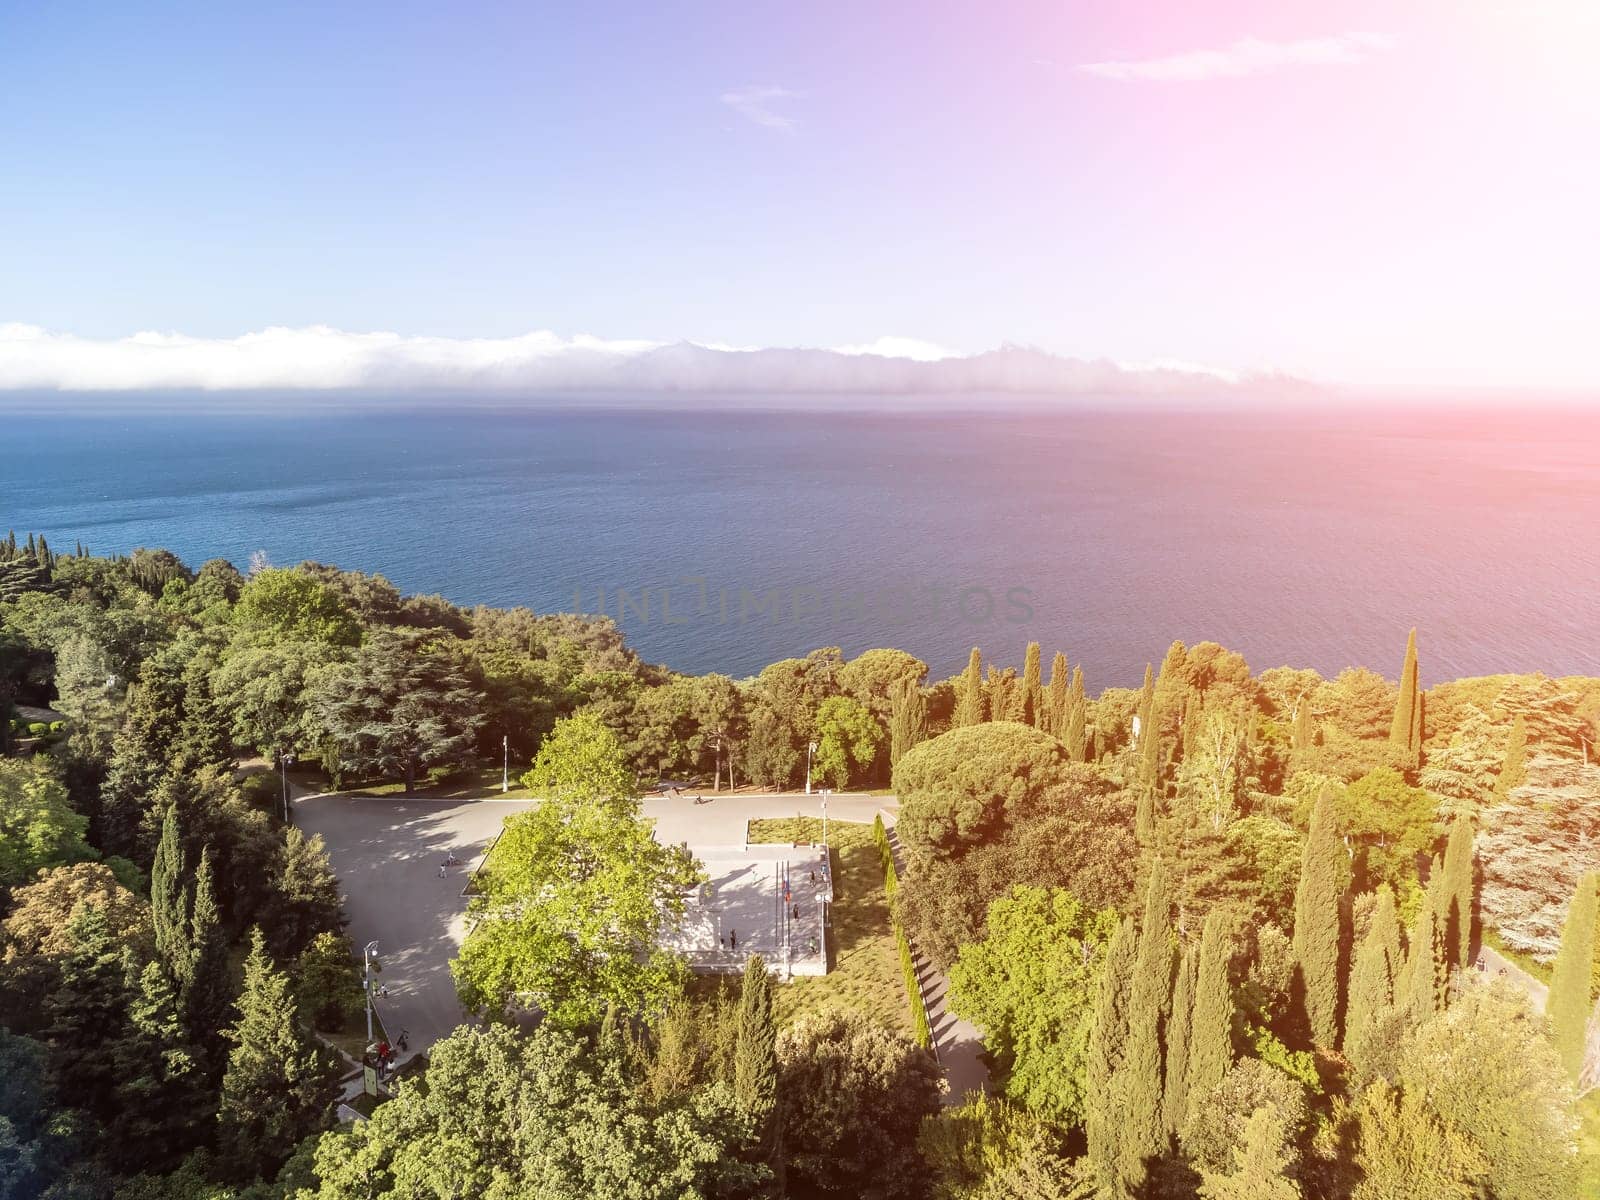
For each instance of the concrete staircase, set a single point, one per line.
(958, 1044)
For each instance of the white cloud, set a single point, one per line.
(899, 347)
(542, 362)
(755, 104)
(1249, 56)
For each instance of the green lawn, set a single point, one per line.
(864, 962)
(468, 785)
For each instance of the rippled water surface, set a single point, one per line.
(739, 538)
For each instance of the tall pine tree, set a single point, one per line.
(84, 1011)
(1317, 923)
(280, 1084)
(169, 901)
(1211, 1026)
(1569, 984)
(206, 995)
(162, 1098)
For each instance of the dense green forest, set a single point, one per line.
(1219, 931)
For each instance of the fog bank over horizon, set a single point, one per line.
(320, 358)
(319, 365)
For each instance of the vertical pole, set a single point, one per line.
(366, 957)
(505, 770)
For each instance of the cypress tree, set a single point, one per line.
(1514, 768)
(1416, 729)
(1107, 1040)
(1460, 914)
(755, 1063)
(1057, 702)
(1303, 734)
(1175, 1101)
(908, 719)
(1426, 969)
(1077, 718)
(1149, 736)
(1003, 696)
(1568, 1006)
(969, 706)
(1137, 1086)
(205, 997)
(279, 1084)
(1032, 691)
(1144, 818)
(1191, 722)
(1317, 919)
(1402, 729)
(169, 902)
(1374, 976)
(1211, 1026)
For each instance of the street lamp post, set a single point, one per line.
(811, 748)
(367, 954)
(505, 770)
(284, 761)
(825, 794)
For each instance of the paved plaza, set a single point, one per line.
(766, 900)
(388, 850)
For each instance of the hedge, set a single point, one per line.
(920, 1027)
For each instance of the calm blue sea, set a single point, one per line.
(736, 538)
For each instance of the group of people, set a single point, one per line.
(383, 1055)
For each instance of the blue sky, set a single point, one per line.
(1411, 209)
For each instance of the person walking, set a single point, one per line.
(442, 870)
